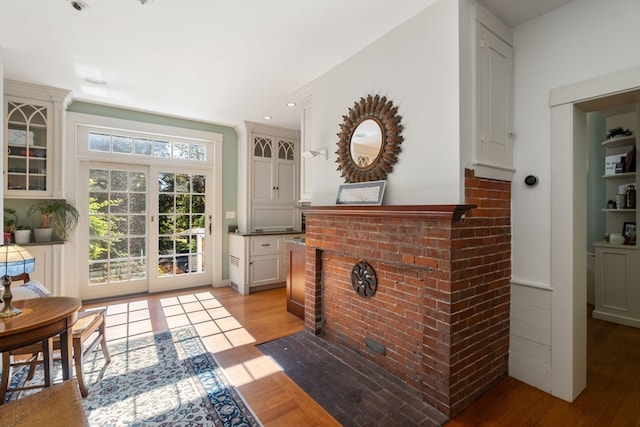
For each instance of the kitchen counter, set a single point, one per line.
(258, 261)
(265, 233)
(296, 241)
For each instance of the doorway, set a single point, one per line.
(569, 106)
(150, 198)
(149, 229)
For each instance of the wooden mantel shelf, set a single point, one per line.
(434, 212)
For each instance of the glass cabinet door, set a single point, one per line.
(27, 147)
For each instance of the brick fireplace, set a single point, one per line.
(439, 319)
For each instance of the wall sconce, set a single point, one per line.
(311, 154)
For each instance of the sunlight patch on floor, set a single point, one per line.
(125, 320)
(217, 328)
(252, 370)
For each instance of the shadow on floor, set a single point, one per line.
(353, 390)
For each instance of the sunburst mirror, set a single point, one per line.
(369, 140)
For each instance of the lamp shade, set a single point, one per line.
(15, 260)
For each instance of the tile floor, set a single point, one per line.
(352, 389)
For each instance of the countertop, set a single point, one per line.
(266, 233)
(297, 241)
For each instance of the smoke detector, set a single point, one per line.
(78, 5)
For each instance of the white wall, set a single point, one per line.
(417, 67)
(582, 40)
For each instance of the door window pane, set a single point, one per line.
(181, 224)
(117, 226)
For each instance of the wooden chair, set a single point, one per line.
(90, 326)
(59, 405)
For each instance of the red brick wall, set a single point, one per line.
(480, 284)
(442, 304)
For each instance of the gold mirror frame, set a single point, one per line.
(385, 114)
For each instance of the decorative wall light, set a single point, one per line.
(312, 154)
(14, 261)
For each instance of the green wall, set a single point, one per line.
(229, 156)
(596, 192)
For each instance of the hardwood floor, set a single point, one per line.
(612, 396)
(231, 325)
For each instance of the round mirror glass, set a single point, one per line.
(366, 143)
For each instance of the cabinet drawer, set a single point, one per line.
(261, 245)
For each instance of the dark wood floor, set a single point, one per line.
(231, 325)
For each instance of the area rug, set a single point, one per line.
(167, 379)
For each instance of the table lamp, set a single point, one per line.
(14, 261)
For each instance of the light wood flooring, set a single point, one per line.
(231, 325)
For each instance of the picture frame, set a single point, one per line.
(361, 193)
(629, 231)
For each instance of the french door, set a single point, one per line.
(180, 241)
(149, 229)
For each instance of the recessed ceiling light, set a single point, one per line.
(267, 117)
(291, 104)
(95, 80)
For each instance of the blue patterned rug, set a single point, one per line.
(167, 379)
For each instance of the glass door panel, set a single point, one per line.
(183, 226)
(117, 230)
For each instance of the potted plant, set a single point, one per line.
(21, 233)
(618, 132)
(57, 216)
(10, 221)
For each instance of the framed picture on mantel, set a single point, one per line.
(361, 193)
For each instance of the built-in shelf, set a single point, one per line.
(631, 175)
(618, 210)
(620, 141)
(604, 244)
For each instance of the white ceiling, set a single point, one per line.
(218, 61)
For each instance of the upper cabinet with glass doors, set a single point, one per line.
(33, 129)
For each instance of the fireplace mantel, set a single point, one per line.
(428, 212)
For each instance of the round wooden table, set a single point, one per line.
(42, 319)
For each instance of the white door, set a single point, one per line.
(181, 243)
(148, 230)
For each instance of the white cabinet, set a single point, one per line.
(258, 262)
(274, 167)
(33, 129)
(493, 143)
(617, 290)
(268, 178)
(48, 269)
